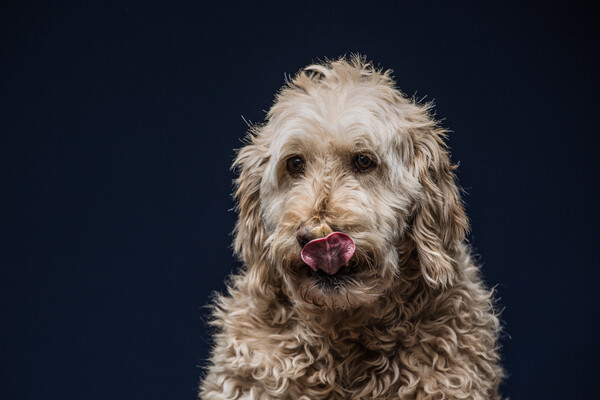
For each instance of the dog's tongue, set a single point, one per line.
(330, 253)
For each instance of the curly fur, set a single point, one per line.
(413, 319)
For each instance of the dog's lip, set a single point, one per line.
(340, 278)
(329, 253)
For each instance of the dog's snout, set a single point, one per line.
(312, 230)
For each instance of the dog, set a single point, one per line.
(358, 282)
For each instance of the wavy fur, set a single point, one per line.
(412, 319)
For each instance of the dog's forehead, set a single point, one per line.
(329, 121)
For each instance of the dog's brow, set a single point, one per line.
(363, 141)
(363, 131)
(293, 143)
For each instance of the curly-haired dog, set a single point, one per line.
(357, 283)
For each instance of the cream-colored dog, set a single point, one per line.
(357, 283)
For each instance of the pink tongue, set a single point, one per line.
(329, 253)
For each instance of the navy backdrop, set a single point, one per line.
(118, 122)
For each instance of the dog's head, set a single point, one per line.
(344, 151)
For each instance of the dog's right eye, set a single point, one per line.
(363, 163)
(295, 165)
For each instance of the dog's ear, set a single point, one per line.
(439, 223)
(249, 233)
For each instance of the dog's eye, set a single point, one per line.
(295, 165)
(363, 162)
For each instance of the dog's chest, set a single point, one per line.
(326, 367)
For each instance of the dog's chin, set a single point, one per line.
(352, 286)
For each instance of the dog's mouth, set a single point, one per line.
(344, 276)
(352, 284)
(333, 271)
(353, 273)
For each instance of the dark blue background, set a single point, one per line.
(117, 128)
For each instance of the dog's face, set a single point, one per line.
(344, 151)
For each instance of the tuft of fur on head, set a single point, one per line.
(327, 114)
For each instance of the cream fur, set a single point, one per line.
(412, 320)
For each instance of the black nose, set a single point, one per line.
(311, 230)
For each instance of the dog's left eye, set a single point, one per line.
(295, 165)
(363, 162)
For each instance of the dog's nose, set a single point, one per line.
(311, 230)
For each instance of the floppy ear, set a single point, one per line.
(439, 223)
(249, 232)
